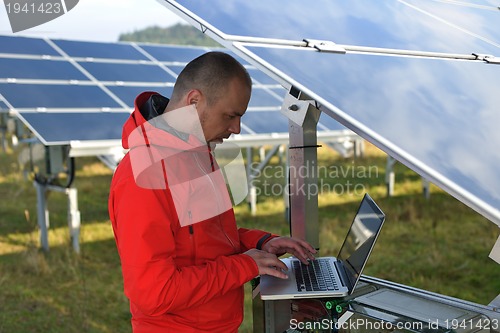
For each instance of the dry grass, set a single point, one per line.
(431, 244)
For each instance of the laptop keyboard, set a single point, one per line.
(317, 276)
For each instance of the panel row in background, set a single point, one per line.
(67, 91)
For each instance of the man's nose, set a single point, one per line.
(235, 127)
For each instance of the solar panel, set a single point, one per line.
(106, 77)
(99, 50)
(259, 122)
(176, 69)
(263, 98)
(127, 72)
(173, 53)
(384, 23)
(62, 128)
(39, 69)
(260, 78)
(437, 116)
(60, 96)
(475, 19)
(32, 46)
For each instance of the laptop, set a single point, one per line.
(330, 276)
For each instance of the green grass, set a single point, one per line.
(438, 244)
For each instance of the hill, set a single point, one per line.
(179, 34)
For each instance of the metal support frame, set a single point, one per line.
(302, 159)
(43, 214)
(389, 175)
(253, 172)
(3, 129)
(57, 161)
(348, 148)
(390, 179)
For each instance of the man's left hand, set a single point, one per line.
(297, 247)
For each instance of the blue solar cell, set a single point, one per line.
(55, 96)
(23, 45)
(385, 23)
(327, 123)
(477, 21)
(100, 50)
(265, 122)
(3, 107)
(281, 92)
(176, 69)
(173, 53)
(128, 94)
(262, 97)
(127, 72)
(439, 117)
(61, 128)
(39, 69)
(259, 77)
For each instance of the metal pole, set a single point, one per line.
(73, 218)
(389, 175)
(42, 214)
(303, 174)
(252, 191)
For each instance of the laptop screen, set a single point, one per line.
(361, 238)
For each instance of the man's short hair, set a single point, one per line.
(210, 73)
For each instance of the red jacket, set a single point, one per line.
(178, 279)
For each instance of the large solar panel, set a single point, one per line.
(437, 115)
(39, 69)
(39, 97)
(31, 46)
(99, 50)
(64, 127)
(73, 85)
(424, 25)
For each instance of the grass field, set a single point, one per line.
(438, 244)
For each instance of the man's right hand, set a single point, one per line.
(268, 263)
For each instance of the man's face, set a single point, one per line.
(222, 118)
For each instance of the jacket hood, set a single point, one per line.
(145, 102)
(148, 125)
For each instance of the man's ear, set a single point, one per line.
(193, 96)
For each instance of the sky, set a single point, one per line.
(98, 20)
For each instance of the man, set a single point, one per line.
(187, 276)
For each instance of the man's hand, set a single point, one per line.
(268, 263)
(297, 247)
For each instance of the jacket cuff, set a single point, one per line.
(262, 241)
(251, 262)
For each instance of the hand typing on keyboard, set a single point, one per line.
(268, 263)
(302, 250)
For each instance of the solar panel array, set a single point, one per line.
(83, 91)
(419, 79)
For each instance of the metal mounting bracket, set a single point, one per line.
(490, 59)
(295, 109)
(495, 251)
(325, 46)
